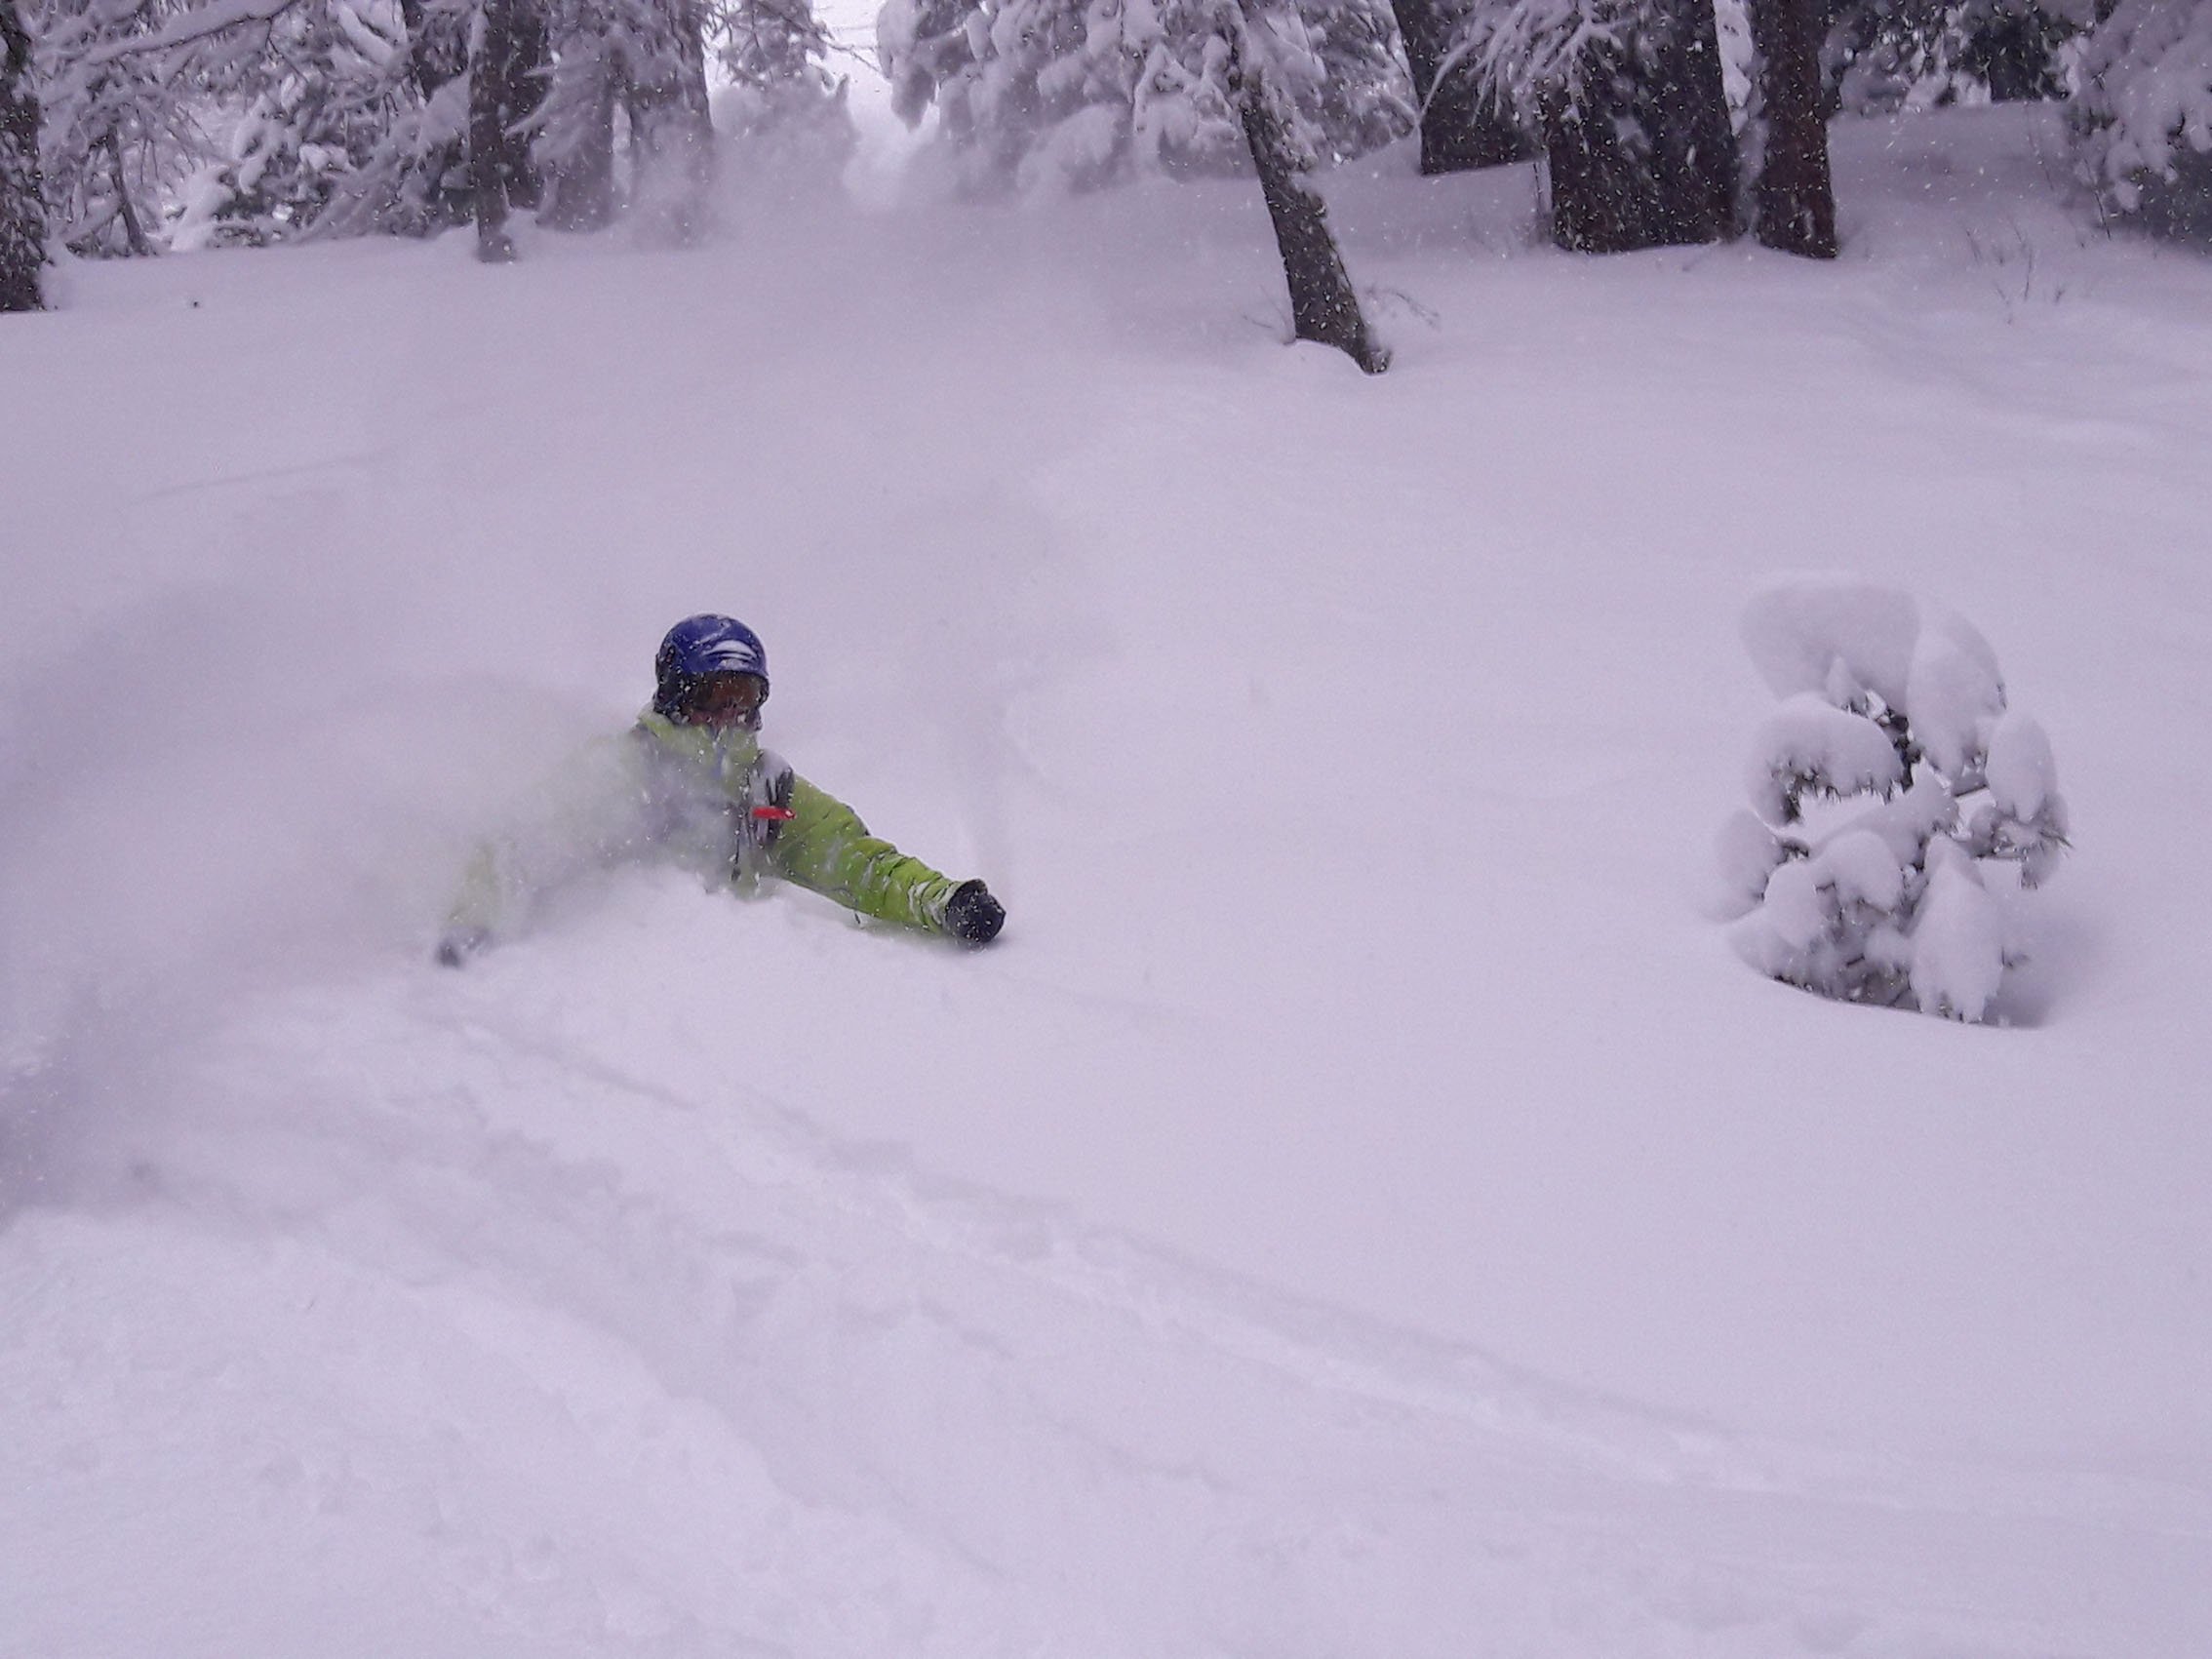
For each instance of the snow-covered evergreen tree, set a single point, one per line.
(412, 179)
(782, 106)
(332, 81)
(1463, 126)
(196, 123)
(22, 205)
(646, 59)
(116, 135)
(1050, 95)
(1628, 97)
(1887, 54)
(1899, 805)
(2142, 114)
(192, 123)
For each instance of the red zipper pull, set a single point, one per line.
(781, 815)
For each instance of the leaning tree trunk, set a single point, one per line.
(506, 86)
(22, 210)
(134, 237)
(1462, 126)
(1324, 307)
(1645, 157)
(1793, 200)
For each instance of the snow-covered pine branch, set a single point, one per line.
(1052, 96)
(1535, 54)
(784, 107)
(1628, 102)
(1899, 805)
(187, 27)
(2143, 110)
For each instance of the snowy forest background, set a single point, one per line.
(132, 125)
(1389, 1191)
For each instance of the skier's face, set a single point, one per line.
(723, 700)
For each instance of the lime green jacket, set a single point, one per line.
(715, 802)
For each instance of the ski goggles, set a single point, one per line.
(724, 699)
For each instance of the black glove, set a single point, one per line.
(459, 944)
(973, 915)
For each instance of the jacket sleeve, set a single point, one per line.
(826, 849)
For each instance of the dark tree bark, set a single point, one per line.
(488, 133)
(1324, 307)
(1793, 200)
(504, 90)
(22, 208)
(1645, 159)
(527, 74)
(1462, 128)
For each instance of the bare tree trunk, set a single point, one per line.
(133, 233)
(1324, 307)
(488, 132)
(528, 69)
(1794, 201)
(1647, 159)
(22, 208)
(1462, 128)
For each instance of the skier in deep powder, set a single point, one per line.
(690, 784)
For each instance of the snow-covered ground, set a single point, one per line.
(1362, 1208)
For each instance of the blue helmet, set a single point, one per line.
(699, 645)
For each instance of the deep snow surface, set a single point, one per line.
(1360, 1207)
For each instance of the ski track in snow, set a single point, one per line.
(661, 1286)
(798, 1402)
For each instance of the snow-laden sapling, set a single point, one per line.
(1899, 805)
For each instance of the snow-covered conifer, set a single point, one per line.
(1886, 55)
(646, 59)
(197, 123)
(191, 123)
(1628, 95)
(334, 80)
(782, 106)
(116, 135)
(1899, 807)
(1049, 95)
(411, 177)
(2142, 114)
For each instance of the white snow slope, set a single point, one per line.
(1361, 1207)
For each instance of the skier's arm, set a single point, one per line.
(826, 849)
